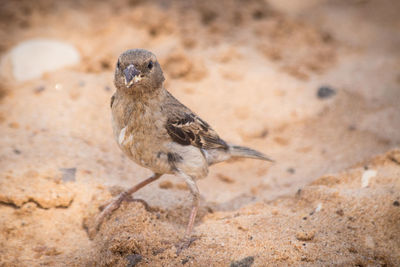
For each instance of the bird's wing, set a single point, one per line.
(186, 128)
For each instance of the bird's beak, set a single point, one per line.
(131, 75)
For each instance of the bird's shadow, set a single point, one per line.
(178, 214)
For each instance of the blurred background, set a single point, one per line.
(314, 84)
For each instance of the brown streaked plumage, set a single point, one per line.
(158, 132)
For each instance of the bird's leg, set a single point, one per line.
(195, 206)
(116, 202)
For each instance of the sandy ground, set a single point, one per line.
(253, 70)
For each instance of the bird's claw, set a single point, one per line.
(185, 243)
(107, 209)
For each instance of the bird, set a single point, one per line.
(158, 132)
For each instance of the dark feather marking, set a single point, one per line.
(204, 125)
(191, 135)
(173, 158)
(112, 101)
(187, 119)
(198, 142)
(188, 129)
(180, 133)
(177, 135)
(216, 141)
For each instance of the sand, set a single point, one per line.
(314, 84)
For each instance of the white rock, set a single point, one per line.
(367, 175)
(32, 58)
(319, 207)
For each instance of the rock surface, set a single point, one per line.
(45, 190)
(32, 58)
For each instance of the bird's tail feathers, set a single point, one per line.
(245, 152)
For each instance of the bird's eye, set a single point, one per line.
(118, 64)
(150, 65)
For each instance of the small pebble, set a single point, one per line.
(186, 260)
(165, 185)
(39, 89)
(246, 262)
(13, 125)
(258, 14)
(367, 175)
(340, 212)
(352, 250)
(351, 128)
(68, 174)
(225, 178)
(319, 207)
(133, 259)
(291, 170)
(325, 92)
(396, 203)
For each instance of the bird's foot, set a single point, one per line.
(107, 209)
(185, 243)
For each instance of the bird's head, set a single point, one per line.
(138, 70)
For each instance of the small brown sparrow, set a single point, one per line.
(158, 132)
